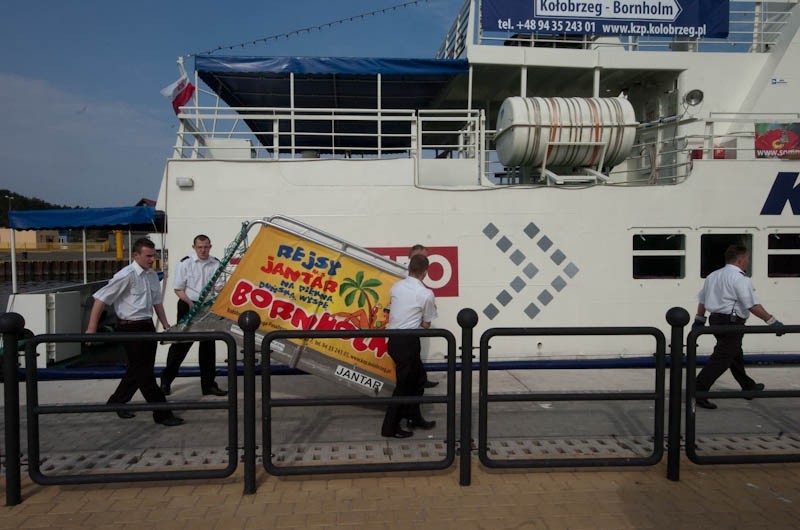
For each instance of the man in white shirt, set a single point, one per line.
(135, 292)
(413, 306)
(421, 249)
(728, 294)
(192, 274)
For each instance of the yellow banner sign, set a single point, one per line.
(296, 284)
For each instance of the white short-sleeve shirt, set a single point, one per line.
(132, 292)
(728, 290)
(412, 304)
(193, 274)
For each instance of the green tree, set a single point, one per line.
(20, 202)
(364, 290)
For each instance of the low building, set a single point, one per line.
(29, 239)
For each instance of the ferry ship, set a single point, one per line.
(563, 168)
(566, 163)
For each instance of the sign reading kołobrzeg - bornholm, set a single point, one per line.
(654, 18)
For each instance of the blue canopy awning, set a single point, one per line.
(123, 217)
(330, 83)
(206, 64)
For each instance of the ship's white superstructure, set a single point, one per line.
(405, 153)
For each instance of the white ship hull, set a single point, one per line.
(542, 251)
(376, 205)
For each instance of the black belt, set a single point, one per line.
(129, 322)
(728, 316)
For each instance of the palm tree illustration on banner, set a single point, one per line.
(363, 289)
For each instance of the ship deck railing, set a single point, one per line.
(664, 153)
(302, 133)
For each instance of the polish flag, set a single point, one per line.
(180, 92)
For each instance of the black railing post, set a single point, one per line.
(467, 319)
(12, 325)
(249, 321)
(677, 317)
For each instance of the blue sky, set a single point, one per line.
(83, 122)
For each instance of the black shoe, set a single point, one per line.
(170, 421)
(421, 424)
(125, 414)
(165, 388)
(431, 384)
(705, 404)
(758, 387)
(399, 433)
(215, 391)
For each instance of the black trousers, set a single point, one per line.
(207, 357)
(410, 374)
(727, 354)
(139, 375)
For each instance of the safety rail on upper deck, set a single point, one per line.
(249, 132)
(754, 27)
(664, 152)
(301, 133)
(455, 42)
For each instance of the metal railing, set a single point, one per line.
(268, 403)
(455, 41)
(12, 328)
(663, 155)
(299, 133)
(35, 410)
(657, 396)
(692, 395)
(288, 133)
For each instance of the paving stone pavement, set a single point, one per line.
(740, 497)
(708, 497)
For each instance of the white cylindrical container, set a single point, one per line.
(565, 132)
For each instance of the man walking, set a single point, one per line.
(412, 307)
(421, 249)
(191, 275)
(728, 294)
(134, 292)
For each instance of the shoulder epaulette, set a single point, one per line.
(185, 258)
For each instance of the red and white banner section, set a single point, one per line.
(442, 273)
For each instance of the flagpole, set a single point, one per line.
(181, 67)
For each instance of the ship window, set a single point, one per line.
(659, 256)
(783, 259)
(712, 251)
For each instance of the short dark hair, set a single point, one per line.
(734, 252)
(200, 237)
(418, 264)
(416, 249)
(141, 243)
